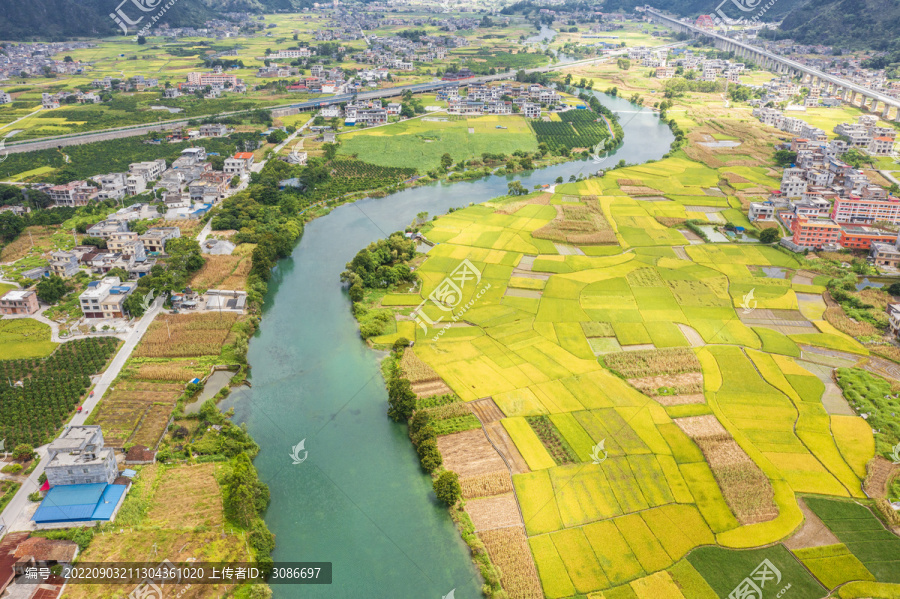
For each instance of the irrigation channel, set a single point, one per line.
(358, 498)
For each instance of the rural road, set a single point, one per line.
(16, 515)
(133, 130)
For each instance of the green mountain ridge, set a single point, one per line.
(853, 24)
(54, 20)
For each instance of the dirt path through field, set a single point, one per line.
(691, 335)
(813, 533)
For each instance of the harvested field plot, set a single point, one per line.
(222, 272)
(183, 520)
(509, 551)
(186, 498)
(136, 409)
(744, 486)
(470, 454)
(489, 513)
(184, 335)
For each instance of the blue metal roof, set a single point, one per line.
(74, 503)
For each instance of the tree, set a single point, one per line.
(245, 495)
(785, 157)
(134, 304)
(401, 400)
(446, 487)
(446, 161)
(769, 235)
(52, 289)
(23, 452)
(516, 188)
(141, 40)
(276, 137)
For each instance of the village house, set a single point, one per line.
(155, 239)
(78, 456)
(239, 164)
(19, 301)
(105, 298)
(72, 194)
(39, 552)
(64, 264)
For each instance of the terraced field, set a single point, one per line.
(648, 418)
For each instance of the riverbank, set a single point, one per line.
(360, 499)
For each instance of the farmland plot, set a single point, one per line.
(641, 448)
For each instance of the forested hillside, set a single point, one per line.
(64, 19)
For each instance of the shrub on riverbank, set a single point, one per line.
(446, 487)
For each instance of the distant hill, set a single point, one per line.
(694, 8)
(854, 24)
(24, 20)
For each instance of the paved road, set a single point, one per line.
(17, 514)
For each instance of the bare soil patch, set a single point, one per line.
(469, 453)
(813, 533)
(430, 388)
(499, 511)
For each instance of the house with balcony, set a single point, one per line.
(155, 239)
(64, 264)
(105, 298)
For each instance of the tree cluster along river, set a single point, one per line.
(359, 498)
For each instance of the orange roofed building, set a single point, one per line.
(815, 232)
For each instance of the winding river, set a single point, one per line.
(358, 498)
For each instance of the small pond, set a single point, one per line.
(215, 383)
(773, 272)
